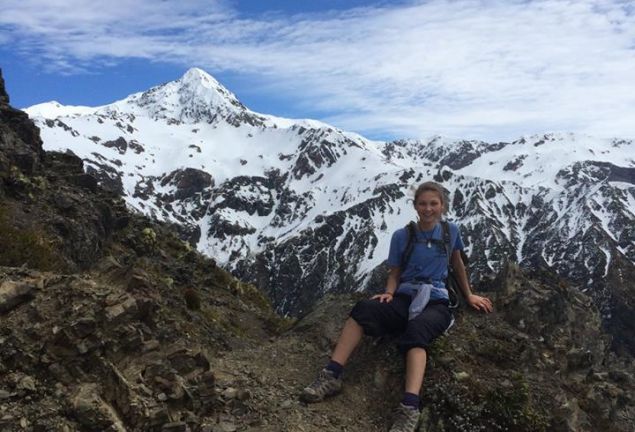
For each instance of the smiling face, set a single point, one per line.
(429, 205)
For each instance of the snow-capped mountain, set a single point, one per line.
(303, 208)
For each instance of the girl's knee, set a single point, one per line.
(364, 313)
(362, 309)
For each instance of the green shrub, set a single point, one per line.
(478, 405)
(511, 407)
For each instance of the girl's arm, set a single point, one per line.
(476, 301)
(391, 285)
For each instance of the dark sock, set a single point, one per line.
(411, 400)
(335, 368)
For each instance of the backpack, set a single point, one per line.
(451, 282)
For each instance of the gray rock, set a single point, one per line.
(92, 411)
(14, 293)
(461, 376)
(243, 394)
(118, 312)
(226, 426)
(175, 427)
(229, 393)
(286, 404)
(578, 358)
(26, 383)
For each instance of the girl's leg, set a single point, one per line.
(415, 369)
(329, 380)
(407, 416)
(373, 318)
(349, 339)
(420, 332)
(368, 316)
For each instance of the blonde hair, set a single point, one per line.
(431, 186)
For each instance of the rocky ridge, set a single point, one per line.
(108, 321)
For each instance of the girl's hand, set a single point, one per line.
(385, 297)
(480, 303)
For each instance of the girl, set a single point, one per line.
(415, 305)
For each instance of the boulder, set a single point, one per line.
(13, 294)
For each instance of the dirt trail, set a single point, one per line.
(269, 377)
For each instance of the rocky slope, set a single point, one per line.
(540, 362)
(109, 322)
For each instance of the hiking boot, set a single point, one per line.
(325, 385)
(406, 419)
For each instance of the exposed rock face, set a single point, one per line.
(327, 252)
(456, 157)
(250, 194)
(107, 177)
(4, 97)
(12, 294)
(20, 143)
(120, 144)
(121, 352)
(188, 182)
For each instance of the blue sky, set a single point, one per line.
(492, 70)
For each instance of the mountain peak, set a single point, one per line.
(198, 75)
(196, 96)
(198, 83)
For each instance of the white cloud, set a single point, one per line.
(488, 69)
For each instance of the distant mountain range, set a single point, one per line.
(303, 208)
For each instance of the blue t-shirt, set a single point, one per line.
(426, 263)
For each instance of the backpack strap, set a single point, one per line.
(411, 229)
(447, 240)
(451, 282)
